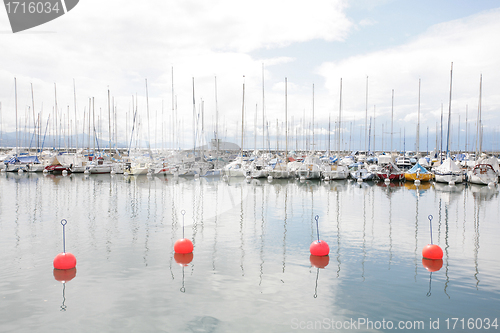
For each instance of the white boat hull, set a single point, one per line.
(448, 178)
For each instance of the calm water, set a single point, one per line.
(251, 269)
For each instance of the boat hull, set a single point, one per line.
(391, 176)
(448, 178)
(423, 177)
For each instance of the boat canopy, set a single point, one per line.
(418, 167)
(489, 160)
(23, 159)
(448, 166)
(390, 167)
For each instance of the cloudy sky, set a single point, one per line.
(391, 44)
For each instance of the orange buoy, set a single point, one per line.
(319, 248)
(64, 260)
(432, 251)
(183, 246)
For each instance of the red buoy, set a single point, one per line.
(64, 260)
(183, 259)
(432, 251)
(319, 248)
(319, 262)
(432, 265)
(64, 275)
(183, 245)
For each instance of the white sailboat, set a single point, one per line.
(310, 168)
(448, 172)
(486, 169)
(238, 167)
(279, 169)
(485, 172)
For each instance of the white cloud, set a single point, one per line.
(367, 22)
(118, 45)
(470, 43)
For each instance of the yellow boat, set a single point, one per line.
(418, 172)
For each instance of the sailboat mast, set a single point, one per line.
(441, 139)
(392, 118)
(286, 121)
(479, 124)
(374, 148)
(55, 120)
(366, 117)
(93, 127)
(15, 90)
(147, 109)
(242, 117)
(34, 118)
(1, 126)
(173, 118)
(263, 117)
(449, 114)
(313, 120)
(194, 123)
(466, 127)
(340, 121)
(216, 119)
(76, 123)
(418, 121)
(109, 120)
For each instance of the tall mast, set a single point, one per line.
(479, 123)
(194, 123)
(109, 120)
(340, 122)
(313, 120)
(392, 118)
(76, 123)
(34, 119)
(466, 128)
(449, 114)
(93, 127)
(1, 126)
(147, 111)
(88, 135)
(441, 140)
(374, 148)
(263, 116)
(216, 119)
(366, 117)
(418, 121)
(242, 117)
(57, 133)
(286, 122)
(15, 90)
(173, 118)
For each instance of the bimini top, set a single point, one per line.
(23, 160)
(418, 167)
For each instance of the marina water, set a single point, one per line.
(251, 268)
